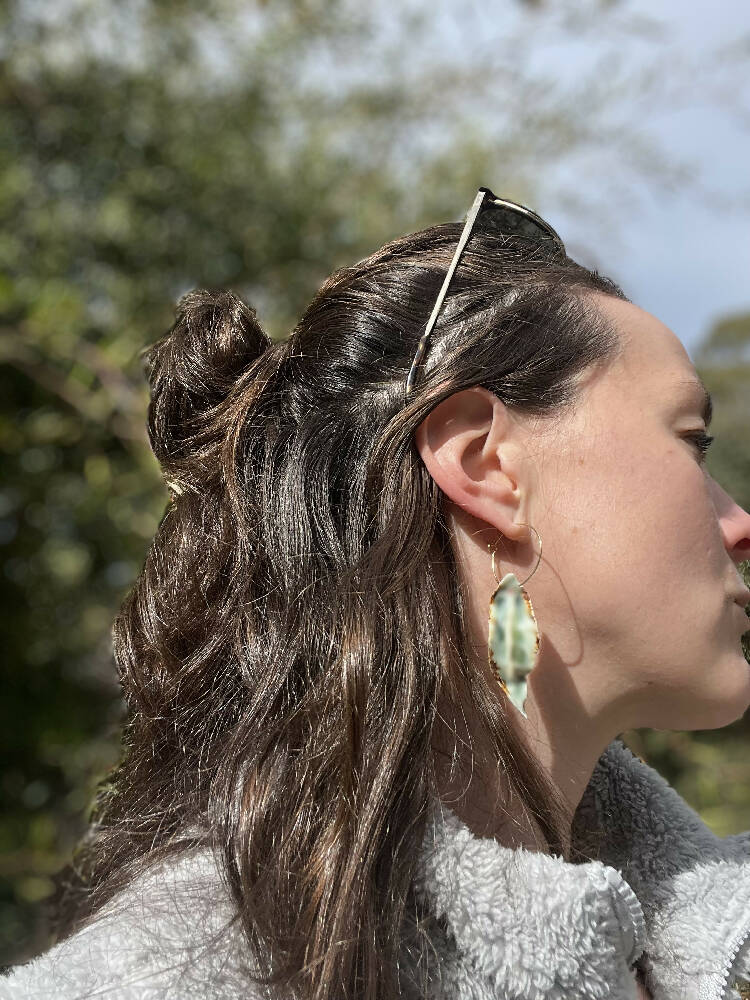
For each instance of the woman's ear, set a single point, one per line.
(470, 446)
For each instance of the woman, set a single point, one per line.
(339, 777)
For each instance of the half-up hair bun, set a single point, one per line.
(192, 369)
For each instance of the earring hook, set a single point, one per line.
(538, 559)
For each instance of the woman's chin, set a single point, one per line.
(728, 698)
(722, 698)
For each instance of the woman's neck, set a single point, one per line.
(477, 790)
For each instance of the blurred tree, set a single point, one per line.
(723, 359)
(148, 147)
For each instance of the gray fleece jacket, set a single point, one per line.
(661, 890)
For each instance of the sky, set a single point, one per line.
(681, 253)
(687, 258)
(685, 255)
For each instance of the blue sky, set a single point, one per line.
(685, 255)
(681, 251)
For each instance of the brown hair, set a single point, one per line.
(299, 613)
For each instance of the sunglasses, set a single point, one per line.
(504, 218)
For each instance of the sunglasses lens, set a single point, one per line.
(510, 222)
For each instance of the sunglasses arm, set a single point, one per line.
(464, 239)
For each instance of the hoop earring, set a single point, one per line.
(513, 639)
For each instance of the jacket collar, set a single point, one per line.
(693, 886)
(527, 924)
(662, 889)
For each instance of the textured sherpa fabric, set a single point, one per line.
(505, 924)
(693, 886)
(170, 936)
(527, 924)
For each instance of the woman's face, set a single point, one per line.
(639, 594)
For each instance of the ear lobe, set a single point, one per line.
(469, 447)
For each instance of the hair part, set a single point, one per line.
(299, 615)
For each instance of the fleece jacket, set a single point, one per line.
(656, 888)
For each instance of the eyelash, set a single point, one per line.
(702, 442)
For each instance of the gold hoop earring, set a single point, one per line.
(513, 636)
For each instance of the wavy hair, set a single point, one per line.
(299, 615)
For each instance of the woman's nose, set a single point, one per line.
(735, 524)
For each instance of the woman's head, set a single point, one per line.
(302, 623)
(637, 595)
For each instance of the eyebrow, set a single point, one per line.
(707, 403)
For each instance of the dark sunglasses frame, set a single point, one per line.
(508, 218)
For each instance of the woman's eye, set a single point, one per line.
(702, 442)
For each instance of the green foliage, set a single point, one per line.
(723, 361)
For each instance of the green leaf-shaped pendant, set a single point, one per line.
(513, 638)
